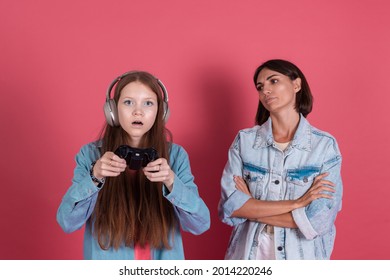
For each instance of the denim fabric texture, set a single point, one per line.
(79, 201)
(273, 174)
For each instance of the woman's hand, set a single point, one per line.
(109, 165)
(160, 171)
(241, 185)
(316, 190)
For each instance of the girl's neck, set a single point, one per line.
(135, 143)
(284, 126)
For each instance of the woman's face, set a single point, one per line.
(137, 111)
(277, 92)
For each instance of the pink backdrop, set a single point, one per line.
(58, 57)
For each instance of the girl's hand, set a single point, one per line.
(241, 185)
(317, 190)
(160, 171)
(109, 165)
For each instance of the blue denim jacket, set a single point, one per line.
(79, 202)
(272, 174)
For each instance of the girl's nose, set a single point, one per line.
(137, 111)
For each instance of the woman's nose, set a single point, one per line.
(266, 90)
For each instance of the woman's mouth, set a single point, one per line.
(269, 100)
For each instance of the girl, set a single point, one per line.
(281, 186)
(133, 214)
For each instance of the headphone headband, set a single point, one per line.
(114, 82)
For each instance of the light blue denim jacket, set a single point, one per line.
(272, 174)
(79, 202)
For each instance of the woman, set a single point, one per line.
(281, 186)
(133, 214)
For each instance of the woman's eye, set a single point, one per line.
(259, 87)
(149, 103)
(127, 102)
(274, 81)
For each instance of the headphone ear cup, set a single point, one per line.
(111, 112)
(166, 112)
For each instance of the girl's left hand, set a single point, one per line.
(160, 171)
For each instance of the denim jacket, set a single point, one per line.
(78, 204)
(272, 174)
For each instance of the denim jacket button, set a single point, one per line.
(277, 182)
(305, 180)
(280, 248)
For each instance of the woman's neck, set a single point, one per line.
(284, 126)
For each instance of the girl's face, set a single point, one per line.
(137, 111)
(277, 92)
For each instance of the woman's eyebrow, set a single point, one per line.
(270, 77)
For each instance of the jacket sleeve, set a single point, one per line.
(231, 198)
(79, 201)
(319, 216)
(193, 214)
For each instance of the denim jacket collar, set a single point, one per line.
(301, 140)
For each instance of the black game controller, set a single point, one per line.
(135, 158)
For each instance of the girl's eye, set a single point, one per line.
(274, 81)
(127, 102)
(149, 103)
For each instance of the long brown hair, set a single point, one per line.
(304, 98)
(130, 209)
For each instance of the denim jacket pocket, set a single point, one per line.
(300, 180)
(255, 178)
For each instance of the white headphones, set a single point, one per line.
(111, 111)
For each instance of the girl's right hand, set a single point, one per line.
(316, 190)
(109, 165)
